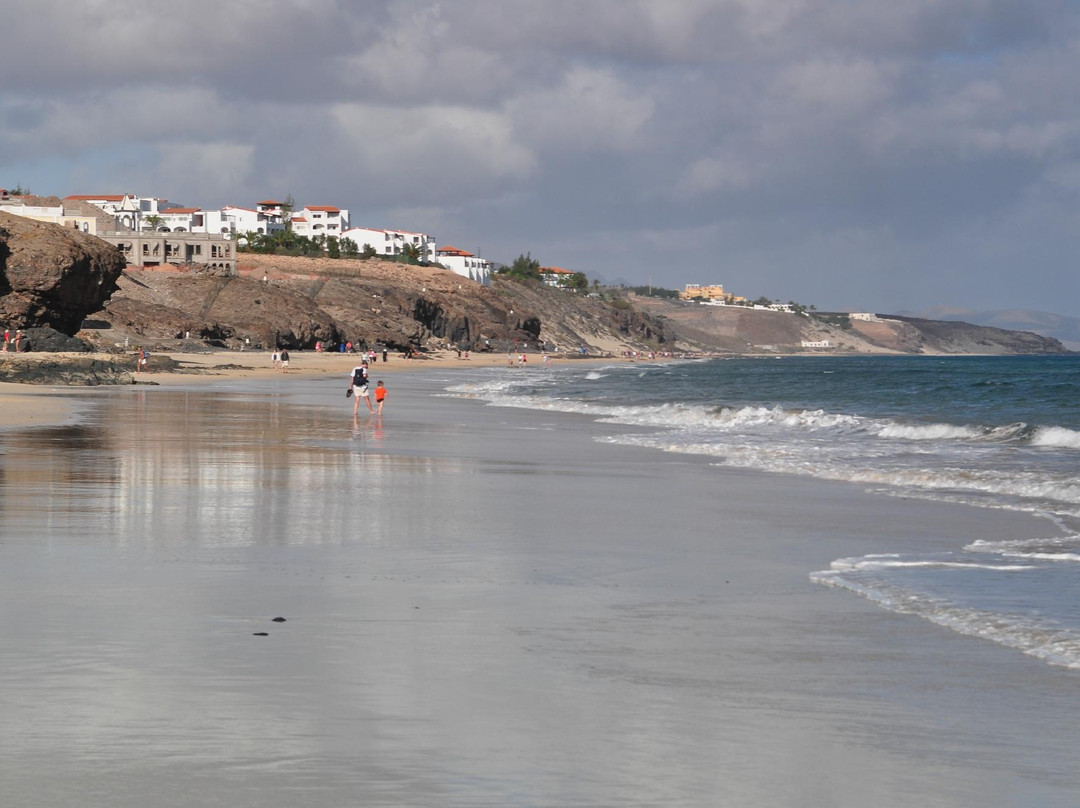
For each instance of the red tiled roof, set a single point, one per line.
(270, 203)
(324, 208)
(299, 219)
(454, 251)
(556, 270)
(103, 197)
(184, 211)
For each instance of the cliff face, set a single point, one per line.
(52, 276)
(298, 301)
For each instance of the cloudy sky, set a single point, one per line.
(859, 154)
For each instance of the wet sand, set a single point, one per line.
(483, 607)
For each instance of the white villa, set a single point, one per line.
(320, 220)
(234, 219)
(390, 242)
(465, 263)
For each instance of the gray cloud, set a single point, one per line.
(870, 155)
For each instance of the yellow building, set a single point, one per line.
(695, 291)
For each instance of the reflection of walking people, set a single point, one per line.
(380, 395)
(360, 388)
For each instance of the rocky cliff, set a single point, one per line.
(295, 302)
(51, 276)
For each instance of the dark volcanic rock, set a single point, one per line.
(49, 340)
(85, 371)
(51, 275)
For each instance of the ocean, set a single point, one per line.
(989, 432)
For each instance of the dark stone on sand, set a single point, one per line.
(279, 620)
(260, 634)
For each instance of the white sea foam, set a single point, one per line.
(838, 462)
(1056, 436)
(1056, 545)
(928, 432)
(1039, 638)
(879, 563)
(939, 461)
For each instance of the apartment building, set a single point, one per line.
(466, 264)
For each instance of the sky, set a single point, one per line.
(868, 155)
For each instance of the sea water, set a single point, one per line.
(992, 432)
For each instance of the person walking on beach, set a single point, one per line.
(7, 339)
(380, 395)
(18, 339)
(284, 360)
(274, 359)
(360, 388)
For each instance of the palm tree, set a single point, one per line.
(153, 220)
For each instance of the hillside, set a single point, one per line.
(297, 301)
(737, 329)
(1057, 326)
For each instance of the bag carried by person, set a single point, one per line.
(348, 393)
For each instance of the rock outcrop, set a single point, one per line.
(52, 276)
(295, 302)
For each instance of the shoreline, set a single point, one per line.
(26, 404)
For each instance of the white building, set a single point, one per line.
(465, 263)
(320, 220)
(126, 208)
(178, 220)
(129, 210)
(391, 242)
(234, 219)
(50, 214)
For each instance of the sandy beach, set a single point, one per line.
(28, 405)
(483, 606)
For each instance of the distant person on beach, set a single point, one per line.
(284, 360)
(360, 388)
(140, 360)
(18, 339)
(274, 359)
(384, 355)
(7, 339)
(380, 395)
